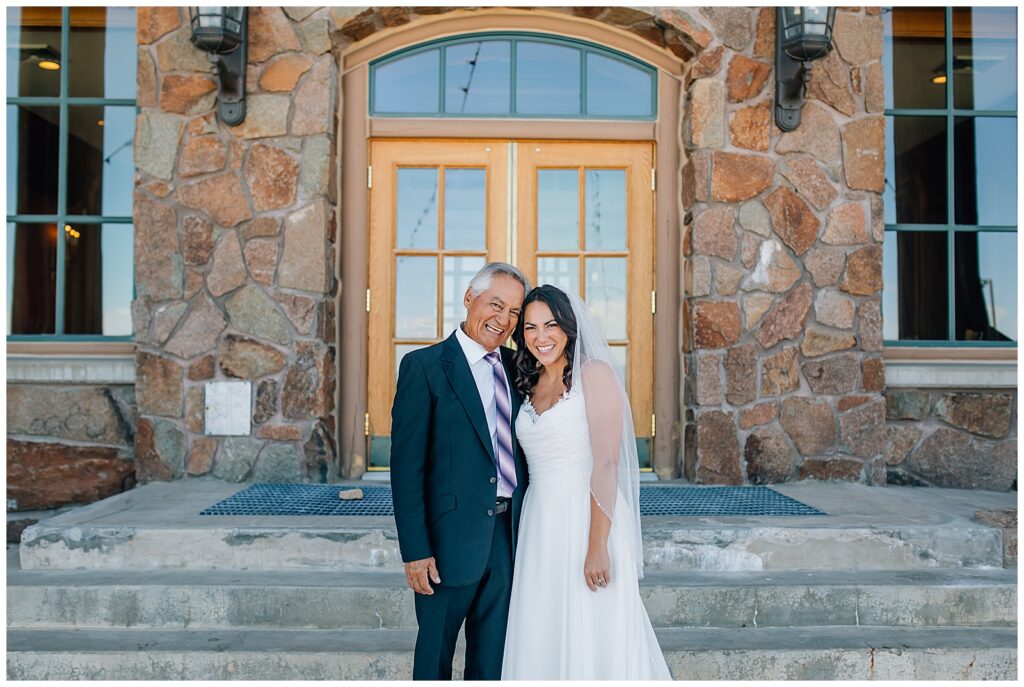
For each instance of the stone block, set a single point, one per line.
(858, 39)
(280, 432)
(764, 38)
(825, 264)
(736, 176)
(707, 113)
(846, 226)
(283, 72)
(751, 127)
(817, 135)
(709, 380)
(741, 374)
(714, 233)
(315, 171)
(314, 100)
(810, 180)
(46, 475)
(299, 309)
(221, 197)
(834, 309)
(774, 271)
(249, 359)
(266, 401)
(864, 153)
(779, 373)
(176, 53)
(236, 457)
(200, 456)
(187, 94)
(832, 470)
(754, 306)
(862, 430)
(818, 342)
(906, 405)
(228, 270)
(953, 458)
(1006, 517)
(195, 409)
(278, 463)
(165, 317)
(863, 275)
(265, 116)
(732, 25)
(830, 83)
(786, 318)
(305, 391)
(874, 88)
(159, 450)
(270, 33)
(793, 219)
(304, 259)
(716, 323)
(315, 35)
(753, 217)
(769, 456)
(746, 78)
(202, 155)
(158, 385)
(809, 424)
(90, 414)
(681, 21)
(760, 414)
(986, 413)
(153, 22)
(158, 263)
(272, 177)
(198, 240)
(200, 331)
(261, 259)
(727, 279)
(872, 372)
(145, 80)
(718, 449)
(834, 375)
(253, 312)
(708, 64)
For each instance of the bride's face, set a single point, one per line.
(543, 337)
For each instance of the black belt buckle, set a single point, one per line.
(501, 506)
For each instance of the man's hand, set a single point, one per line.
(419, 574)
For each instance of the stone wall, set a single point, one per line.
(965, 439)
(68, 444)
(234, 249)
(782, 246)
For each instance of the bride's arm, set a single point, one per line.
(604, 419)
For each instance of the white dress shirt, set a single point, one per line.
(484, 378)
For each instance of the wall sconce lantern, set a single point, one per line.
(802, 34)
(223, 32)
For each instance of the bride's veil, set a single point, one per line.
(610, 423)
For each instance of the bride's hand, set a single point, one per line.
(597, 568)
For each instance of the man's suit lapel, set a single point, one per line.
(456, 367)
(508, 358)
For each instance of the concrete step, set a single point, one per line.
(158, 526)
(814, 653)
(180, 599)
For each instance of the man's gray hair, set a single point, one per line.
(482, 280)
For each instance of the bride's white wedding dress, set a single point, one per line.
(557, 627)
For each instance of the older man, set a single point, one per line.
(458, 478)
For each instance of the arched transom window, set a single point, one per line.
(512, 75)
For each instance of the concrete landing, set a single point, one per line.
(858, 653)
(158, 526)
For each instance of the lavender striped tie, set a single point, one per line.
(502, 403)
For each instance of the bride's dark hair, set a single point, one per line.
(527, 366)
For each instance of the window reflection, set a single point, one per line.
(33, 139)
(478, 78)
(33, 51)
(417, 208)
(606, 209)
(416, 297)
(558, 209)
(986, 286)
(458, 272)
(465, 209)
(408, 85)
(985, 58)
(97, 287)
(915, 302)
(915, 170)
(616, 88)
(102, 52)
(985, 179)
(547, 79)
(100, 167)
(914, 57)
(31, 278)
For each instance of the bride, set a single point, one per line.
(576, 612)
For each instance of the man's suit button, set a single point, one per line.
(490, 512)
(494, 480)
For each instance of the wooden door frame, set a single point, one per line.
(351, 262)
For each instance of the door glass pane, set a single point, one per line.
(561, 272)
(915, 170)
(98, 279)
(100, 165)
(915, 301)
(102, 52)
(33, 51)
(416, 297)
(558, 209)
(477, 78)
(606, 209)
(986, 286)
(31, 278)
(547, 79)
(417, 208)
(458, 271)
(33, 136)
(400, 351)
(606, 294)
(620, 359)
(465, 209)
(985, 58)
(617, 88)
(914, 57)
(985, 170)
(408, 85)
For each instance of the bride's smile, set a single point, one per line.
(543, 337)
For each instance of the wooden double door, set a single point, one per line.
(575, 214)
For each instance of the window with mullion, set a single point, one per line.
(70, 124)
(949, 256)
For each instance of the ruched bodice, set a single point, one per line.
(557, 442)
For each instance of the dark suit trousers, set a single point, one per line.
(484, 608)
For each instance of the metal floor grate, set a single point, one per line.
(322, 499)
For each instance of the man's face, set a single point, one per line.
(491, 316)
